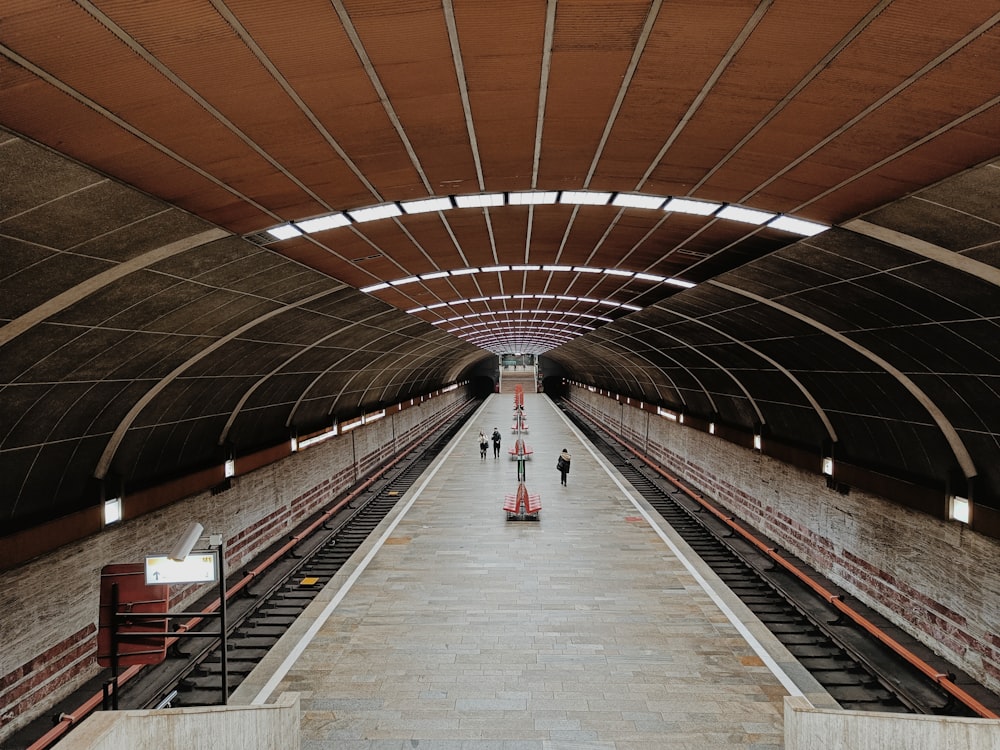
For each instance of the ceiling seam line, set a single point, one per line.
(795, 90)
(543, 88)
(129, 128)
(95, 283)
(926, 249)
(292, 94)
(108, 454)
(944, 425)
(463, 89)
(366, 63)
(874, 107)
(179, 82)
(695, 105)
(43, 204)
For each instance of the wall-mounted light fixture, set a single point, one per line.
(959, 509)
(828, 466)
(112, 511)
(757, 441)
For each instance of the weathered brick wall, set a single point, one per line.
(48, 607)
(937, 580)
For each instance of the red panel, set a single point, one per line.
(133, 596)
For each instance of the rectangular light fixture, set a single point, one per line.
(525, 268)
(797, 226)
(584, 197)
(757, 442)
(631, 307)
(435, 275)
(332, 432)
(112, 511)
(532, 198)
(618, 272)
(284, 232)
(587, 269)
(414, 310)
(347, 426)
(959, 509)
(828, 466)
(686, 206)
(426, 205)
(680, 283)
(557, 268)
(373, 288)
(479, 201)
(666, 413)
(229, 469)
(464, 271)
(407, 280)
(631, 200)
(711, 428)
(436, 305)
(373, 213)
(650, 277)
(331, 221)
(494, 269)
(746, 215)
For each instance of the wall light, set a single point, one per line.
(230, 468)
(757, 442)
(711, 428)
(959, 509)
(112, 511)
(828, 466)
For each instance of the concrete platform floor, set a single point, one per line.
(595, 627)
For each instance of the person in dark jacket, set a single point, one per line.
(563, 465)
(496, 443)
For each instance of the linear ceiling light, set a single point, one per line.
(373, 213)
(584, 197)
(797, 226)
(426, 205)
(284, 232)
(631, 200)
(320, 223)
(435, 275)
(479, 201)
(533, 198)
(687, 206)
(745, 215)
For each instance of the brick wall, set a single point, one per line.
(936, 579)
(48, 607)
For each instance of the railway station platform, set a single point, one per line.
(454, 628)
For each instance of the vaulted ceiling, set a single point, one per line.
(224, 221)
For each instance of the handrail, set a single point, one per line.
(835, 600)
(67, 721)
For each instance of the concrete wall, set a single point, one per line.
(936, 579)
(271, 727)
(49, 606)
(808, 728)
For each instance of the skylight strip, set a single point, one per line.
(373, 213)
(584, 197)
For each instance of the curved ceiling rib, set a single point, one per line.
(70, 297)
(104, 463)
(827, 425)
(958, 448)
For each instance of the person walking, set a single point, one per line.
(496, 443)
(563, 465)
(483, 443)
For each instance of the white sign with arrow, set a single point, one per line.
(198, 567)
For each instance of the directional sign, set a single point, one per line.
(199, 567)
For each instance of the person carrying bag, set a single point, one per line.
(562, 464)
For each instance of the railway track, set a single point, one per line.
(859, 671)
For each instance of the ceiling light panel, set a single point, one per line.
(584, 197)
(284, 232)
(532, 198)
(374, 213)
(745, 215)
(426, 205)
(321, 223)
(797, 226)
(479, 201)
(686, 206)
(632, 200)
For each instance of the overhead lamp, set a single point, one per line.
(588, 269)
(632, 200)
(680, 283)
(479, 201)
(797, 226)
(557, 268)
(464, 271)
(284, 232)
(584, 197)
(407, 280)
(434, 275)
(494, 269)
(426, 205)
(414, 310)
(745, 215)
(525, 268)
(374, 288)
(320, 223)
(650, 277)
(374, 213)
(112, 511)
(688, 206)
(618, 272)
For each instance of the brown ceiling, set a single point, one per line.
(244, 115)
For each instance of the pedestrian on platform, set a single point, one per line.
(563, 465)
(496, 443)
(483, 443)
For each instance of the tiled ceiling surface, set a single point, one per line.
(142, 331)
